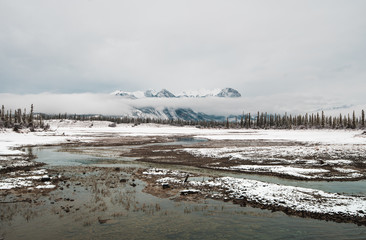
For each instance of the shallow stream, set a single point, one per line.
(144, 216)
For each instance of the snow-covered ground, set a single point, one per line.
(268, 194)
(321, 136)
(319, 151)
(31, 179)
(69, 130)
(302, 158)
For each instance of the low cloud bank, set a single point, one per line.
(106, 104)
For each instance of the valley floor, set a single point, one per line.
(301, 155)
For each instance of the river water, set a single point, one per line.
(160, 218)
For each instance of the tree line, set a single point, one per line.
(18, 119)
(313, 120)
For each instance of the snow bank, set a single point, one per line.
(308, 161)
(22, 179)
(291, 171)
(297, 198)
(269, 194)
(323, 136)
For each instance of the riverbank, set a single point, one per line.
(309, 155)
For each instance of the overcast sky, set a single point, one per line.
(261, 48)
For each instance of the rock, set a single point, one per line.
(45, 178)
(165, 185)
(123, 180)
(102, 221)
(189, 191)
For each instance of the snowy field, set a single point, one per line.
(308, 161)
(68, 130)
(324, 154)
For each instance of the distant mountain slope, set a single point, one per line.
(186, 114)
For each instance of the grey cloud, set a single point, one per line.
(258, 47)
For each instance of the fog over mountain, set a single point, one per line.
(178, 111)
(197, 107)
(307, 49)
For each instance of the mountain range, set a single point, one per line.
(171, 113)
(164, 93)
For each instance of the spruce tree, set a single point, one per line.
(19, 116)
(306, 120)
(24, 116)
(2, 113)
(10, 118)
(330, 123)
(349, 121)
(340, 120)
(265, 120)
(242, 120)
(30, 118)
(363, 118)
(15, 116)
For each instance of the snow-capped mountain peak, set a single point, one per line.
(124, 94)
(150, 93)
(228, 92)
(164, 93)
(201, 93)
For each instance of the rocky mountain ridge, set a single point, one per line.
(164, 93)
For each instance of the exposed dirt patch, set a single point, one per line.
(175, 154)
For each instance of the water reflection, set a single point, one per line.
(107, 203)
